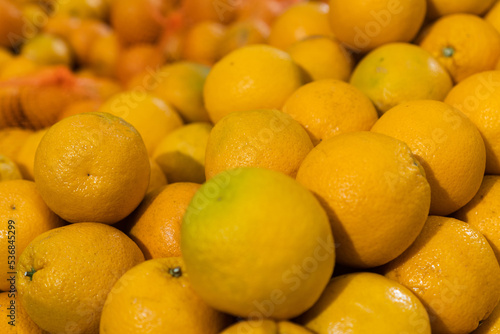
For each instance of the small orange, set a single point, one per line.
(322, 57)
(85, 9)
(24, 216)
(453, 271)
(438, 8)
(11, 26)
(298, 22)
(81, 39)
(156, 297)
(103, 55)
(25, 157)
(136, 59)
(326, 108)
(47, 49)
(5, 56)
(11, 141)
(252, 77)
(202, 42)
(92, 167)
(8, 169)
(364, 25)
(202, 10)
(257, 138)
(18, 67)
(463, 43)
(61, 278)
(242, 33)
(478, 97)
(156, 224)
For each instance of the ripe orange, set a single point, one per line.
(463, 43)
(156, 224)
(136, 59)
(8, 169)
(364, 25)
(243, 33)
(257, 326)
(374, 192)
(11, 27)
(16, 321)
(453, 271)
(156, 179)
(479, 99)
(252, 77)
(236, 262)
(80, 107)
(446, 143)
(298, 22)
(366, 303)
(47, 49)
(24, 216)
(322, 57)
(385, 74)
(156, 297)
(326, 108)
(25, 157)
(438, 8)
(83, 38)
(103, 55)
(202, 41)
(11, 141)
(257, 138)
(65, 274)
(92, 167)
(491, 325)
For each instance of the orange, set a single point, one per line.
(135, 21)
(438, 8)
(152, 117)
(11, 141)
(298, 22)
(8, 169)
(25, 157)
(62, 25)
(156, 297)
(453, 271)
(491, 325)
(243, 33)
(11, 27)
(157, 178)
(257, 138)
(181, 85)
(18, 67)
(265, 327)
(103, 55)
(5, 57)
(136, 59)
(181, 154)
(493, 16)
(98, 88)
(202, 41)
(478, 98)
(156, 224)
(366, 303)
(201, 10)
(24, 216)
(326, 108)
(66, 273)
(85, 9)
(16, 321)
(47, 49)
(386, 74)
(481, 211)
(92, 167)
(273, 262)
(252, 77)
(374, 192)
(446, 143)
(322, 57)
(463, 43)
(364, 25)
(82, 39)
(79, 107)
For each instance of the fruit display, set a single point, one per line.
(250, 166)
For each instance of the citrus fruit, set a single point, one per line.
(151, 116)
(374, 192)
(463, 43)
(156, 179)
(181, 154)
(11, 141)
(24, 216)
(79, 107)
(265, 327)
(364, 25)
(298, 22)
(143, 300)
(5, 56)
(92, 167)
(491, 325)
(243, 33)
(326, 108)
(227, 244)
(8, 169)
(482, 211)
(181, 85)
(47, 49)
(16, 321)
(493, 16)
(83, 38)
(257, 138)
(252, 77)
(453, 271)
(479, 99)
(103, 55)
(202, 41)
(94, 9)
(366, 303)
(322, 57)
(438, 8)
(65, 274)
(11, 28)
(156, 224)
(385, 74)
(25, 158)
(18, 67)
(446, 143)
(136, 59)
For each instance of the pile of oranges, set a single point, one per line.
(250, 167)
